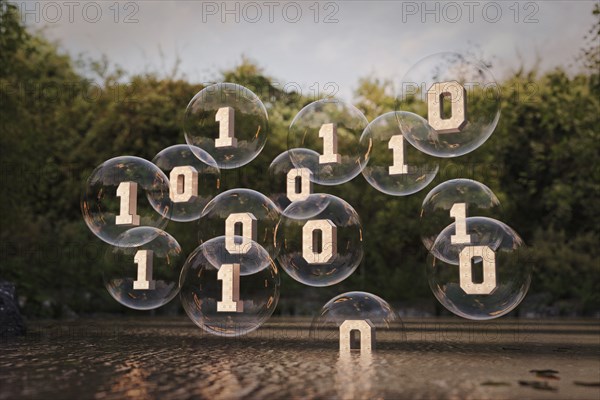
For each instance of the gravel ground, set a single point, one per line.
(170, 358)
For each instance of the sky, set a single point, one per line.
(319, 47)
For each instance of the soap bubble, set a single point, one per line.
(496, 272)
(389, 328)
(453, 83)
(229, 122)
(122, 193)
(229, 293)
(189, 196)
(319, 240)
(332, 128)
(288, 183)
(246, 213)
(436, 210)
(143, 277)
(395, 167)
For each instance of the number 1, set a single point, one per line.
(396, 144)
(127, 191)
(230, 275)
(330, 144)
(226, 120)
(459, 213)
(143, 259)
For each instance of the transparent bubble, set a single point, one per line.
(319, 240)
(122, 193)
(288, 183)
(394, 166)
(143, 277)
(229, 122)
(484, 279)
(388, 326)
(191, 188)
(332, 128)
(436, 211)
(229, 293)
(242, 212)
(460, 99)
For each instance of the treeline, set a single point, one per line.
(57, 125)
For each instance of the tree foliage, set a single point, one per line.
(57, 125)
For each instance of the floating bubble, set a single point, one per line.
(242, 212)
(455, 200)
(143, 277)
(229, 286)
(394, 166)
(288, 183)
(123, 193)
(388, 326)
(483, 278)
(319, 240)
(194, 179)
(229, 122)
(460, 98)
(332, 128)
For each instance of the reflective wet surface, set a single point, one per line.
(156, 357)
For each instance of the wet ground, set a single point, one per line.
(171, 358)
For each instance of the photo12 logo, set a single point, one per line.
(52, 12)
(270, 11)
(470, 11)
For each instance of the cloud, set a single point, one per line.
(314, 43)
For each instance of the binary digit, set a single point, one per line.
(226, 120)
(299, 185)
(229, 274)
(357, 334)
(127, 191)
(315, 249)
(488, 257)
(459, 213)
(143, 259)
(183, 184)
(456, 94)
(330, 144)
(239, 224)
(396, 144)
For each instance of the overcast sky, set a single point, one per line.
(313, 43)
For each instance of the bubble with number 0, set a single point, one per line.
(319, 240)
(459, 98)
(485, 274)
(288, 183)
(194, 179)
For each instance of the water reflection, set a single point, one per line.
(354, 376)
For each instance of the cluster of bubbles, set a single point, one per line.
(230, 284)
